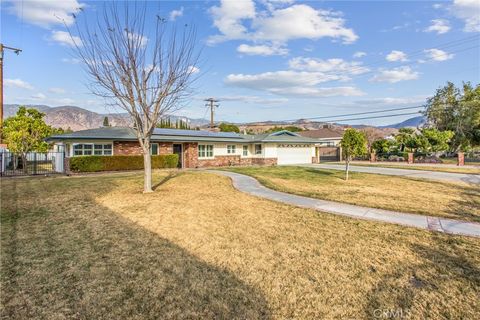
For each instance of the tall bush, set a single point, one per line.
(118, 163)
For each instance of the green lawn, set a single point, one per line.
(451, 200)
(96, 247)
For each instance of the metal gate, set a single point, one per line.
(326, 154)
(32, 163)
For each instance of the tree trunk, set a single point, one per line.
(24, 163)
(347, 167)
(147, 175)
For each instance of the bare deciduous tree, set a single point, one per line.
(148, 77)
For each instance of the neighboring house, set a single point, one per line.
(326, 137)
(195, 148)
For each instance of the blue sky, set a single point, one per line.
(268, 60)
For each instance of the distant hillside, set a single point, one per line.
(77, 118)
(412, 122)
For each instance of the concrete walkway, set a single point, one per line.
(252, 186)
(409, 173)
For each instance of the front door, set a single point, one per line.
(177, 149)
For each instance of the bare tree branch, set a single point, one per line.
(146, 77)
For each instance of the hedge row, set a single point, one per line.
(114, 163)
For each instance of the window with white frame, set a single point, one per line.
(231, 148)
(205, 151)
(154, 149)
(245, 151)
(88, 149)
(258, 149)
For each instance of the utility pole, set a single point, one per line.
(17, 51)
(211, 102)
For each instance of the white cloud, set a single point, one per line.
(439, 26)
(45, 13)
(71, 60)
(193, 69)
(228, 19)
(65, 39)
(277, 26)
(334, 66)
(291, 83)
(396, 55)
(395, 75)
(135, 37)
(393, 101)
(56, 90)
(17, 83)
(64, 101)
(438, 55)
(253, 99)
(174, 14)
(262, 50)
(38, 96)
(469, 12)
(359, 54)
(301, 21)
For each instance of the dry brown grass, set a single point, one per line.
(96, 247)
(442, 199)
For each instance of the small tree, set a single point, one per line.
(353, 144)
(227, 127)
(437, 140)
(25, 132)
(105, 122)
(382, 145)
(140, 64)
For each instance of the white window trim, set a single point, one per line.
(232, 148)
(93, 149)
(243, 150)
(206, 157)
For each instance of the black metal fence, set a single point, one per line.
(32, 163)
(327, 154)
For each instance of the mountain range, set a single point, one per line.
(77, 118)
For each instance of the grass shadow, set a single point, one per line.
(60, 262)
(444, 266)
(468, 207)
(171, 175)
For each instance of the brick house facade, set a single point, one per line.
(196, 149)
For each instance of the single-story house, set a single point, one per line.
(326, 137)
(195, 148)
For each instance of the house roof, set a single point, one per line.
(323, 133)
(176, 135)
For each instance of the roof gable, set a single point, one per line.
(283, 133)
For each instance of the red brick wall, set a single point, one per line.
(190, 155)
(128, 148)
(264, 161)
(226, 161)
(219, 161)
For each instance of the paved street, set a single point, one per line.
(432, 175)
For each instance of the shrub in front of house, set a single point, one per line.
(117, 163)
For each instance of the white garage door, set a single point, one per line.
(294, 155)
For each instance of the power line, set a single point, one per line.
(358, 113)
(412, 54)
(375, 117)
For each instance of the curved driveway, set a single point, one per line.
(409, 173)
(252, 186)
